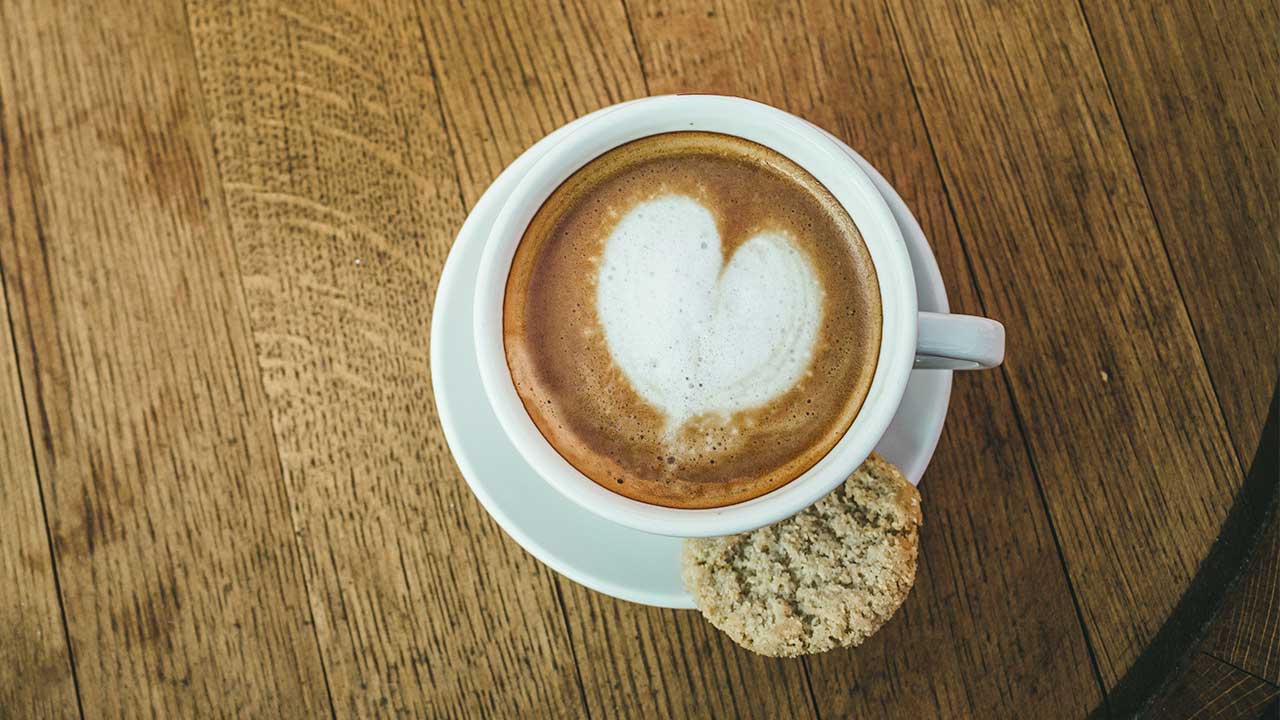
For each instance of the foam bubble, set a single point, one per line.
(692, 333)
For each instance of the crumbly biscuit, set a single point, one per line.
(826, 578)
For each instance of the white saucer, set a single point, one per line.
(614, 560)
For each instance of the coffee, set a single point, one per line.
(692, 320)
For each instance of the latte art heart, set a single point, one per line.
(694, 334)
(691, 320)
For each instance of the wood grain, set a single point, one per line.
(35, 667)
(504, 85)
(180, 581)
(984, 564)
(1244, 636)
(1209, 688)
(1041, 180)
(1195, 86)
(511, 74)
(344, 202)
(1200, 108)
(222, 228)
(645, 662)
(1247, 630)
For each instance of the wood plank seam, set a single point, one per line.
(560, 588)
(462, 203)
(1197, 106)
(1186, 609)
(808, 685)
(1035, 471)
(239, 280)
(573, 649)
(31, 441)
(444, 117)
(1237, 667)
(644, 75)
(1222, 635)
(501, 95)
(1204, 668)
(353, 140)
(1053, 530)
(1108, 607)
(137, 559)
(1004, 373)
(220, 198)
(1220, 575)
(851, 81)
(805, 669)
(1241, 460)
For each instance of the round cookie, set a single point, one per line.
(826, 578)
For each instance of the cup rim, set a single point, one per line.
(819, 155)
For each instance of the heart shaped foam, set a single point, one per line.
(695, 335)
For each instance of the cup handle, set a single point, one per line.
(958, 342)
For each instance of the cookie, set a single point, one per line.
(826, 578)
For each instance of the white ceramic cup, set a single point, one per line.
(908, 338)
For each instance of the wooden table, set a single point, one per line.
(225, 489)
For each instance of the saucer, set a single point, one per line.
(618, 561)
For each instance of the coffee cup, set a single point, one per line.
(907, 338)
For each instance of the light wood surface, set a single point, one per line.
(343, 199)
(160, 473)
(33, 644)
(159, 469)
(222, 229)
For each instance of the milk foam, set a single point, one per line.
(693, 334)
